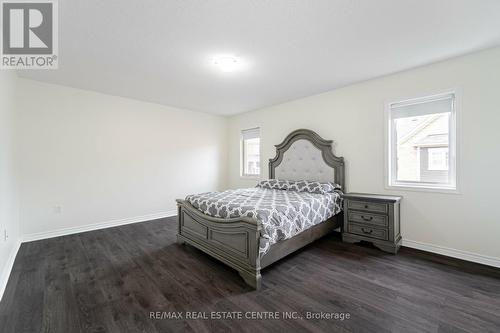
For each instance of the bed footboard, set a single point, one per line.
(232, 241)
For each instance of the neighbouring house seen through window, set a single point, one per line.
(250, 152)
(422, 142)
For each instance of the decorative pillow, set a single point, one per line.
(299, 186)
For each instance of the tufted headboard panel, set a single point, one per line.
(304, 155)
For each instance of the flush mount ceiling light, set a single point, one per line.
(228, 63)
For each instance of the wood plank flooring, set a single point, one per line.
(110, 280)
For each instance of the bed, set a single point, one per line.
(235, 226)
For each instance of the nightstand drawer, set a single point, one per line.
(375, 219)
(366, 231)
(368, 206)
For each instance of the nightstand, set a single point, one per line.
(373, 218)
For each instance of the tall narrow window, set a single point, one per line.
(422, 143)
(250, 152)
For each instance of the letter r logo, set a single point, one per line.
(27, 27)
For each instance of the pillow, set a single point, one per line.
(299, 186)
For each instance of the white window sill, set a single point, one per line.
(423, 188)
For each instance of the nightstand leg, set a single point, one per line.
(388, 248)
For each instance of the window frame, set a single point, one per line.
(453, 145)
(243, 157)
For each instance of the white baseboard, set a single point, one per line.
(7, 269)
(459, 254)
(95, 226)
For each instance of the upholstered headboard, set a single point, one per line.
(304, 155)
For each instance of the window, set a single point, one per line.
(438, 158)
(422, 143)
(250, 152)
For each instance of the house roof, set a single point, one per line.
(433, 140)
(418, 126)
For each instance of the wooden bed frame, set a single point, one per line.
(235, 241)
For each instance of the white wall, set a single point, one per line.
(102, 158)
(8, 196)
(354, 117)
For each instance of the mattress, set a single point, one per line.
(283, 213)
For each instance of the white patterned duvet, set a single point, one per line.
(283, 213)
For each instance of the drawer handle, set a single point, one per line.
(366, 206)
(367, 218)
(367, 231)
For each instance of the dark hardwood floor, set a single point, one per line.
(110, 280)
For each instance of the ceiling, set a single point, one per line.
(161, 51)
